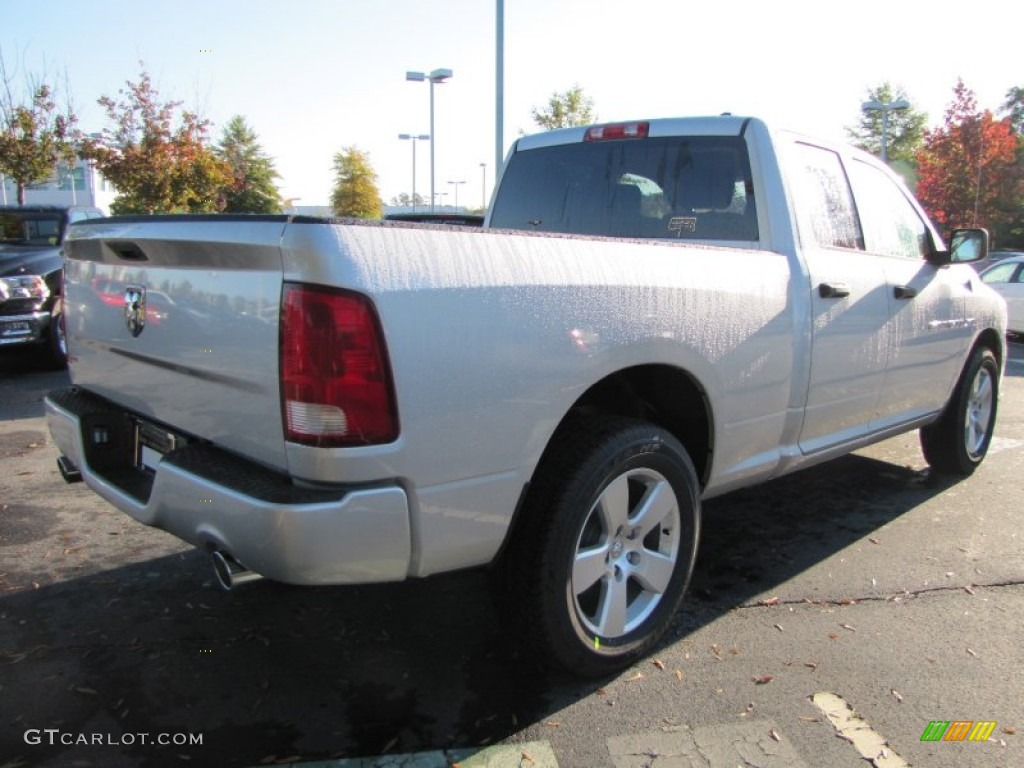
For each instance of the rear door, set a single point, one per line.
(847, 295)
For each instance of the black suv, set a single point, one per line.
(31, 276)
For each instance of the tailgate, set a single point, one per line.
(176, 319)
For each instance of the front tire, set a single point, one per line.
(55, 349)
(956, 444)
(604, 553)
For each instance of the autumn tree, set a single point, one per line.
(158, 160)
(968, 169)
(35, 133)
(566, 109)
(905, 129)
(355, 187)
(251, 187)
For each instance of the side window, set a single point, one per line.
(1000, 273)
(891, 224)
(74, 216)
(824, 199)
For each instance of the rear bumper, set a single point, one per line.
(218, 501)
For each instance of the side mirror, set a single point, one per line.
(966, 245)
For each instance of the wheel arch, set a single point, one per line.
(665, 395)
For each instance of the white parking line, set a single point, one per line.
(872, 746)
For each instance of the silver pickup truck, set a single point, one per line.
(654, 314)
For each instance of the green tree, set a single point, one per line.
(35, 134)
(566, 109)
(405, 199)
(1013, 108)
(905, 132)
(355, 187)
(251, 188)
(158, 161)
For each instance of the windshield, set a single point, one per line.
(696, 188)
(30, 227)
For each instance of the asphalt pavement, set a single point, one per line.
(838, 616)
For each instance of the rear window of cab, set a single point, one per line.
(694, 188)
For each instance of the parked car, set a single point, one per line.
(993, 258)
(453, 219)
(1007, 278)
(31, 276)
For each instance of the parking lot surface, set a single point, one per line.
(834, 617)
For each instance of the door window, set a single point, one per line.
(824, 199)
(891, 224)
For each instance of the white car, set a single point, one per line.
(1007, 277)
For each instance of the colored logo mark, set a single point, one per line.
(958, 730)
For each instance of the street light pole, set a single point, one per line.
(414, 138)
(436, 76)
(456, 185)
(885, 108)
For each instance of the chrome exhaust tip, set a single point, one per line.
(230, 573)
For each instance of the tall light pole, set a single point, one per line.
(483, 187)
(456, 185)
(885, 108)
(414, 138)
(436, 76)
(499, 87)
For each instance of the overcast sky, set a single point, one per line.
(313, 76)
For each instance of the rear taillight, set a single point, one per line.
(336, 385)
(617, 131)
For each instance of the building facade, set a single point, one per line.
(80, 184)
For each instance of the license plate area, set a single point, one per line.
(151, 443)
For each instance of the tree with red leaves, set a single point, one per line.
(968, 174)
(158, 162)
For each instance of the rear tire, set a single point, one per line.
(956, 444)
(603, 554)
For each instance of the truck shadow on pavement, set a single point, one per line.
(270, 672)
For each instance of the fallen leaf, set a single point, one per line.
(809, 719)
(774, 734)
(659, 664)
(811, 664)
(874, 541)
(634, 678)
(968, 590)
(1009, 729)
(553, 724)
(526, 756)
(896, 693)
(847, 626)
(601, 692)
(679, 675)
(833, 636)
(763, 680)
(716, 651)
(779, 627)
(770, 601)
(971, 652)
